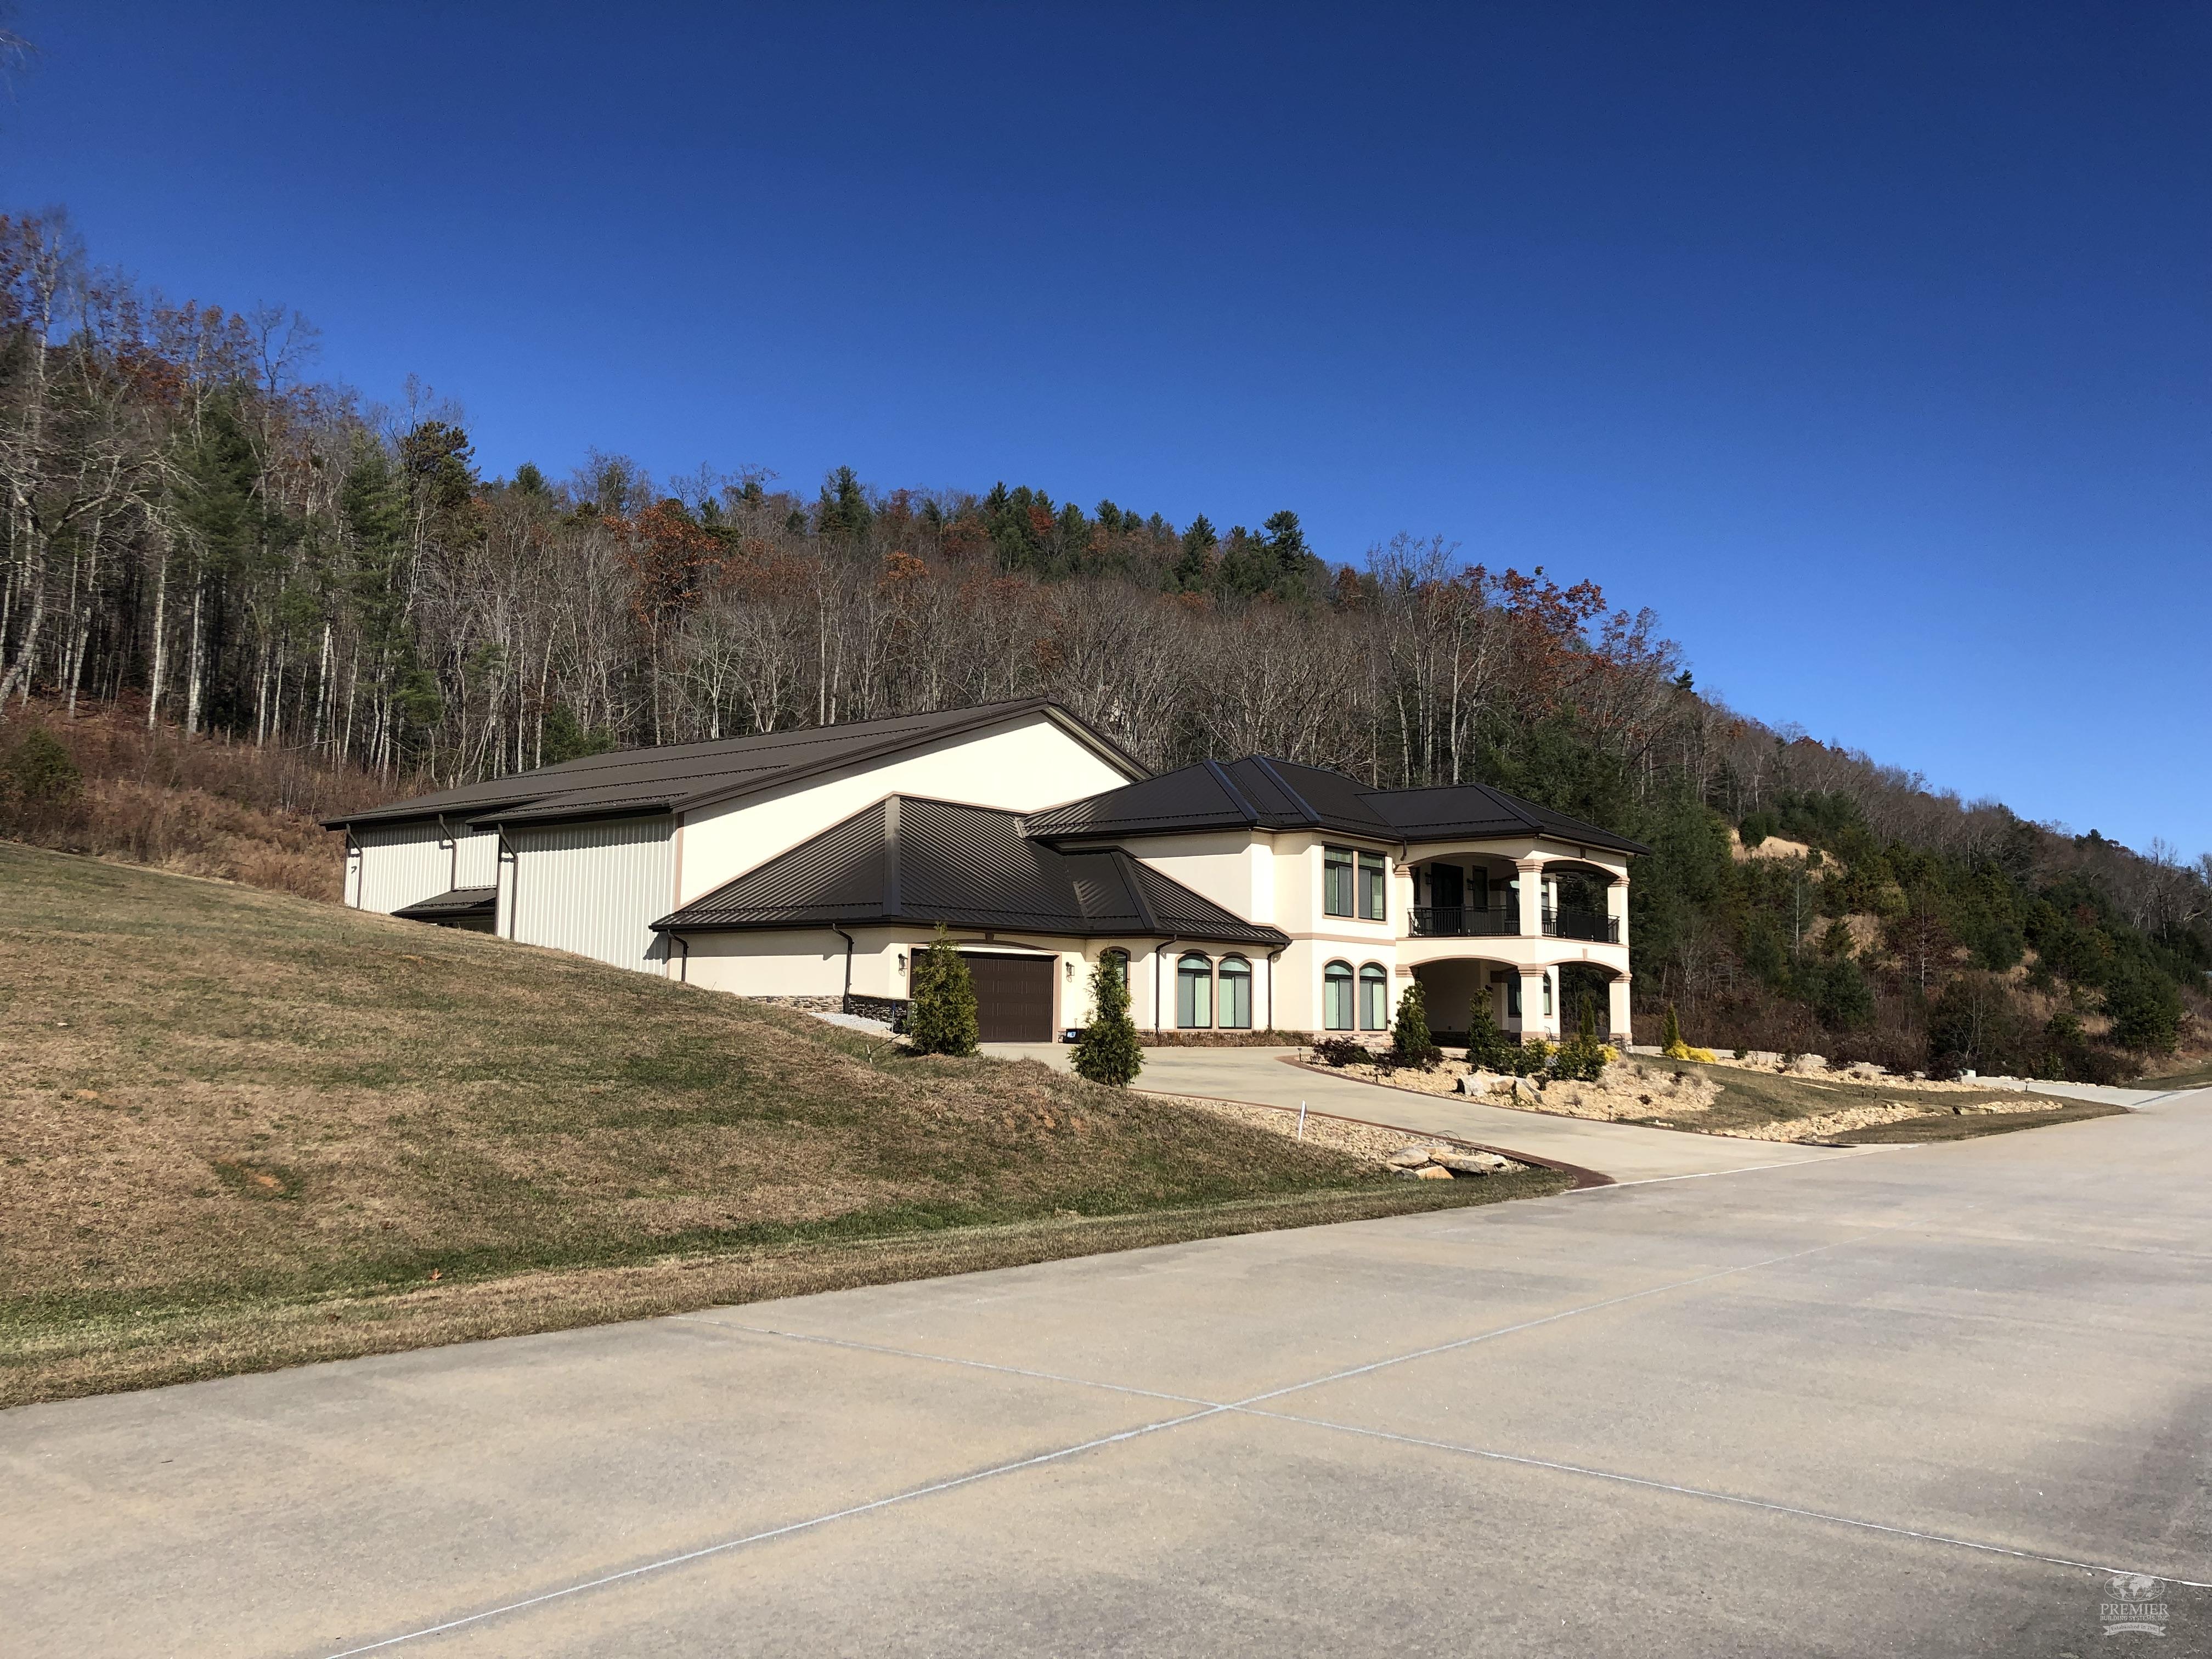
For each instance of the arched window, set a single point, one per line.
(1236, 975)
(1374, 997)
(1336, 996)
(1195, 992)
(1118, 960)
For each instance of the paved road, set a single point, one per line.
(1627, 1151)
(1918, 1403)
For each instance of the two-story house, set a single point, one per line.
(812, 866)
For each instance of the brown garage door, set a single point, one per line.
(1013, 997)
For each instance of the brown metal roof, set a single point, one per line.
(912, 860)
(679, 777)
(455, 903)
(1257, 792)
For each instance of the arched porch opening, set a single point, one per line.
(1586, 984)
(1451, 987)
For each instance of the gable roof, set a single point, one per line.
(909, 860)
(1259, 792)
(681, 777)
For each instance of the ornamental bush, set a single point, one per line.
(1582, 1057)
(1342, 1051)
(943, 1018)
(1487, 1049)
(1410, 1042)
(1108, 1051)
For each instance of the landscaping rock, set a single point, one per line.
(1409, 1158)
(1806, 1065)
(1473, 1164)
(1432, 1172)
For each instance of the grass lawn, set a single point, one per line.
(1751, 1099)
(2192, 1077)
(239, 1129)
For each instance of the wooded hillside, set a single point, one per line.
(199, 532)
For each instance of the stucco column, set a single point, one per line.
(1622, 1028)
(1532, 896)
(1534, 1021)
(1616, 906)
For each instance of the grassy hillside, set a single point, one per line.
(242, 1128)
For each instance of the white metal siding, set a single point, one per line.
(479, 861)
(404, 864)
(594, 888)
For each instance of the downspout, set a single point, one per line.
(454, 847)
(513, 859)
(684, 965)
(845, 1006)
(1272, 955)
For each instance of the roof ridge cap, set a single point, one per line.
(1220, 773)
(1305, 807)
(1127, 865)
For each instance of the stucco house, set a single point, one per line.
(810, 866)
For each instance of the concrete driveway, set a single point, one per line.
(1927, 1402)
(1627, 1151)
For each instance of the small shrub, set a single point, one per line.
(1109, 1051)
(42, 772)
(942, 1018)
(1410, 1042)
(1342, 1051)
(1487, 1048)
(1581, 1059)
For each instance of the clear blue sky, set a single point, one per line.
(1868, 344)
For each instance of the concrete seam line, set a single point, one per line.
(1767, 1504)
(786, 1530)
(951, 1359)
(1549, 1319)
(1753, 1168)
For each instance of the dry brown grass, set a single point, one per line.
(199, 806)
(224, 1108)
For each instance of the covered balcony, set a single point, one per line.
(1455, 900)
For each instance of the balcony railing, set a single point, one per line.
(1456, 921)
(1581, 924)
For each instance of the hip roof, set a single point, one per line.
(912, 860)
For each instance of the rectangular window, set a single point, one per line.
(1336, 881)
(1370, 886)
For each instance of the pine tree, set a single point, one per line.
(1195, 567)
(943, 1018)
(1410, 1042)
(1670, 1035)
(1109, 1051)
